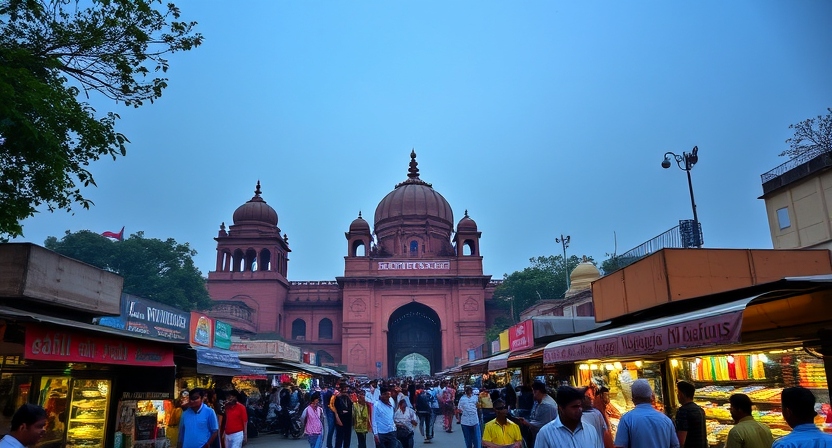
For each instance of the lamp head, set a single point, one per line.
(666, 162)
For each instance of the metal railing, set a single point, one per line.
(790, 165)
(673, 238)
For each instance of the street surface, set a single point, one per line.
(441, 439)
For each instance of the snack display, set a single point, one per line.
(87, 413)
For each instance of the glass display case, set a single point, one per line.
(54, 398)
(88, 413)
(760, 375)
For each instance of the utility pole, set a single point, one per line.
(564, 241)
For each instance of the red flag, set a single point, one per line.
(119, 236)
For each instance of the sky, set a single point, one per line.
(541, 118)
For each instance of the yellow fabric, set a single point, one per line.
(501, 435)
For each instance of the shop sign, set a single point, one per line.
(146, 396)
(46, 344)
(287, 351)
(722, 329)
(413, 265)
(503, 341)
(218, 358)
(495, 346)
(255, 347)
(222, 334)
(201, 330)
(521, 336)
(154, 319)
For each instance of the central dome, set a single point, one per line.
(413, 198)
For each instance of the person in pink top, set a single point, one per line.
(312, 421)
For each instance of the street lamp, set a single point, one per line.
(565, 242)
(685, 162)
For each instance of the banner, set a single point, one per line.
(48, 344)
(222, 334)
(201, 330)
(504, 341)
(154, 319)
(521, 336)
(722, 329)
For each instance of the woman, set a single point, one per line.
(405, 420)
(361, 419)
(312, 421)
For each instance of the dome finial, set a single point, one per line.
(257, 190)
(413, 172)
(359, 213)
(466, 212)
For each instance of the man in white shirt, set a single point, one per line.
(568, 429)
(28, 427)
(469, 419)
(384, 430)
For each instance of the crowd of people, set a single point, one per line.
(393, 411)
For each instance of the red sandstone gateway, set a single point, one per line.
(413, 298)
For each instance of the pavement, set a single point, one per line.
(441, 439)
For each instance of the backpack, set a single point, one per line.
(423, 401)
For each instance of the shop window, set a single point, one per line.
(783, 218)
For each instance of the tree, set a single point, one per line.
(163, 271)
(52, 51)
(811, 136)
(544, 279)
(500, 325)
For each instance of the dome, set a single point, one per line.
(466, 224)
(414, 198)
(255, 211)
(359, 225)
(582, 276)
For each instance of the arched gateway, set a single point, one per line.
(414, 329)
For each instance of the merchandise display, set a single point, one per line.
(54, 397)
(88, 413)
(761, 376)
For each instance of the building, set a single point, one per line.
(413, 286)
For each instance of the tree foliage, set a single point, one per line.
(163, 271)
(811, 136)
(544, 279)
(500, 324)
(53, 51)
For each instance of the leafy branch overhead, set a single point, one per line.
(51, 53)
(811, 136)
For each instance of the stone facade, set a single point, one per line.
(414, 285)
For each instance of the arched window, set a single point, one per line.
(298, 330)
(239, 260)
(251, 260)
(265, 262)
(325, 329)
(414, 248)
(358, 249)
(468, 248)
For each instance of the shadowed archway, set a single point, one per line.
(414, 328)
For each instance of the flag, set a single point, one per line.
(119, 236)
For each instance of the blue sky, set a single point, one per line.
(539, 118)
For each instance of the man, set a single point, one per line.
(501, 432)
(594, 418)
(285, 401)
(198, 427)
(469, 418)
(373, 392)
(384, 430)
(424, 411)
(602, 403)
(361, 414)
(643, 426)
(798, 406)
(326, 399)
(435, 392)
(447, 404)
(568, 430)
(236, 421)
(747, 432)
(544, 410)
(690, 418)
(28, 427)
(342, 407)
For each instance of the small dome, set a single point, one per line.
(414, 198)
(359, 225)
(582, 277)
(466, 224)
(255, 211)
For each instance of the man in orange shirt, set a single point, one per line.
(236, 422)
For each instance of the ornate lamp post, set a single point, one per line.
(565, 242)
(685, 162)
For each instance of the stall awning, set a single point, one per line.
(475, 366)
(498, 362)
(282, 365)
(719, 324)
(526, 354)
(253, 368)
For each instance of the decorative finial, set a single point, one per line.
(285, 238)
(359, 213)
(222, 225)
(257, 190)
(413, 172)
(466, 212)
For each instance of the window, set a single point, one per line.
(783, 218)
(414, 248)
(298, 330)
(325, 329)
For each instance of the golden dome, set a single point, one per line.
(582, 277)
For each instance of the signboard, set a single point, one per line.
(521, 336)
(503, 341)
(495, 346)
(722, 329)
(218, 358)
(154, 319)
(48, 344)
(287, 351)
(222, 334)
(201, 330)
(414, 265)
(378, 364)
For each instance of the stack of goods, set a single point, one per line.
(789, 378)
(718, 412)
(717, 432)
(812, 374)
(728, 368)
(722, 392)
(766, 395)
